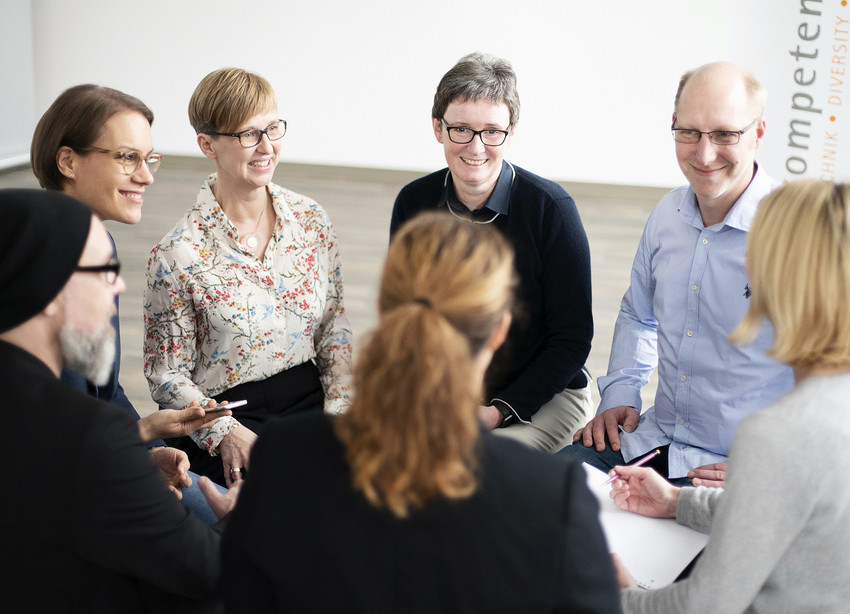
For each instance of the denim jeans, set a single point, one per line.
(195, 500)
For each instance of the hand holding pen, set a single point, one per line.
(642, 491)
(643, 460)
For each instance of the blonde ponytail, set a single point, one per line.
(411, 430)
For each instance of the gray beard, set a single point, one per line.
(89, 354)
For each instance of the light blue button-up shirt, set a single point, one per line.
(689, 290)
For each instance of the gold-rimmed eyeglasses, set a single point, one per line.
(130, 160)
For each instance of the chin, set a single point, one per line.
(133, 216)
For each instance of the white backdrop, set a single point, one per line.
(596, 79)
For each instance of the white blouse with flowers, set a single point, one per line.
(216, 316)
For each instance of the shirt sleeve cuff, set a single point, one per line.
(336, 406)
(620, 395)
(211, 437)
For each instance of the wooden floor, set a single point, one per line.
(359, 202)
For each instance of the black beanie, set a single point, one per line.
(42, 235)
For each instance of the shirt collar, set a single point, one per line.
(209, 207)
(741, 214)
(498, 202)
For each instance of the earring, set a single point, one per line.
(72, 175)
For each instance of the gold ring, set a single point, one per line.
(236, 469)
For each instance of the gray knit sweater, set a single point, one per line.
(780, 532)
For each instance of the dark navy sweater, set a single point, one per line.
(550, 338)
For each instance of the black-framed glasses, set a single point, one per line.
(252, 138)
(718, 137)
(462, 135)
(110, 270)
(130, 160)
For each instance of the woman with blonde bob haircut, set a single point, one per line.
(406, 503)
(244, 296)
(779, 539)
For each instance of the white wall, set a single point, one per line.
(17, 100)
(596, 79)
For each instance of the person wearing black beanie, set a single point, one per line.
(104, 533)
(41, 239)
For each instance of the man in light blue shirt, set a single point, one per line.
(689, 289)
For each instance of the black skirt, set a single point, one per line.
(295, 390)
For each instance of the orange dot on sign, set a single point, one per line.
(832, 118)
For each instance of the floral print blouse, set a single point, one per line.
(216, 316)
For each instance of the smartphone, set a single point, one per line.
(230, 405)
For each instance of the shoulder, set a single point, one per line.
(73, 416)
(528, 473)
(814, 410)
(309, 214)
(543, 201)
(667, 211)
(543, 188)
(673, 200)
(186, 231)
(428, 182)
(420, 191)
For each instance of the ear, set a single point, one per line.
(207, 145)
(500, 334)
(66, 159)
(56, 307)
(760, 127)
(511, 134)
(438, 129)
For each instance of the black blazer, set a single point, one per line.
(301, 540)
(88, 523)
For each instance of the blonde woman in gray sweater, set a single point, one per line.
(779, 531)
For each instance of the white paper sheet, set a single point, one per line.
(654, 550)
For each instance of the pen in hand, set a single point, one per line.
(640, 462)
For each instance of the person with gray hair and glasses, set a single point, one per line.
(537, 389)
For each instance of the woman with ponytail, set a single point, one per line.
(406, 503)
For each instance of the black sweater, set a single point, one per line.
(550, 339)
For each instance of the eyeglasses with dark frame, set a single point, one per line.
(463, 135)
(252, 137)
(111, 270)
(718, 137)
(130, 160)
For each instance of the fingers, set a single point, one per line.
(631, 421)
(234, 474)
(612, 429)
(587, 433)
(215, 413)
(709, 483)
(712, 475)
(206, 486)
(593, 432)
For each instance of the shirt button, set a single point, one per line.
(681, 420)
(694, 287)
(705, 241)
(684, 377)
(690, 333)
